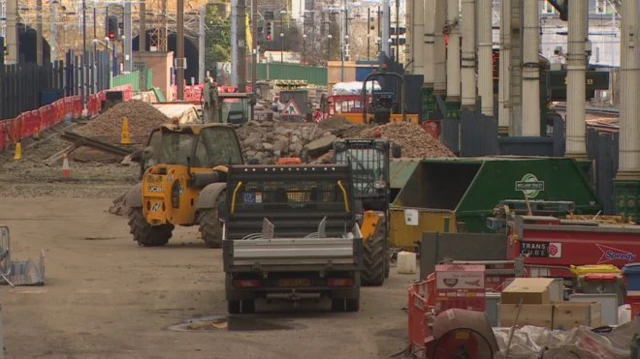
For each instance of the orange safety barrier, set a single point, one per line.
(418, 316)
(30, 123)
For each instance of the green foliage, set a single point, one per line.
(218, 37)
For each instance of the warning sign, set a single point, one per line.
(291, 109)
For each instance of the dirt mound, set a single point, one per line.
(142, 116)
(415, 142)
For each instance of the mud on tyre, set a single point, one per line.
(375, 259)
(145, 234)
(210, 224)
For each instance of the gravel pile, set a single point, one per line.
(415, 142)
(142, 116)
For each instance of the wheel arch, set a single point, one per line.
(208, 196)
(134, 196)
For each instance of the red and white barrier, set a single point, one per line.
(31, 123)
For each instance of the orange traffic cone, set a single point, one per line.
(66, 170)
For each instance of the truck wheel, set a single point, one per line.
(233, 306)
(337, 305)
(210, 225)
(248, 306)
(374, 258)
(352, 304)
(145, 234)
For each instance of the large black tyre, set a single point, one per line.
(352, 304)
(233, 306)
(210, 225)
(375, 260)
(145, 234)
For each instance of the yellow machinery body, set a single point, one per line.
(371, 220)
(158, 190)
(408, 224)
(396, 117)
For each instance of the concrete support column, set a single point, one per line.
(468, 54)
(386, 17)
(531, 70)
(417, 37)
(485, 56)
(440, 50)
(627, 182)
(504, 111)
(576, 82)
(12, 33)
(453, 52)
(428, 99)
(409, 51)
(515, 63)
(429, 40)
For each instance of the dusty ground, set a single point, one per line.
(107, 298)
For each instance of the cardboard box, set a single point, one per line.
(562, 316)
(529, 290)
(568, 315)
(539, 315)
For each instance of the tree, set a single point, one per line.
(218, 37)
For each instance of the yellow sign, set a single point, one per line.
(125, 136)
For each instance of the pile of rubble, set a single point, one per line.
(107, 127)
(142, 117)
(267, 141)
(415, 142)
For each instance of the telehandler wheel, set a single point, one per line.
(145, 234)
(210, 225)
(375, 260)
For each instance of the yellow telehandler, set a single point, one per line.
(184, 171)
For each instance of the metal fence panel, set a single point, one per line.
(23, 86)
(478, 135)
(275, 71)
(434, 247)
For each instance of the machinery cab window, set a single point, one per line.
(217, 146)
(169, 147)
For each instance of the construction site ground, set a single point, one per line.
(105, 297)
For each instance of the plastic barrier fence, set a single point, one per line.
(31, 123)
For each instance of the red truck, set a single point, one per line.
(550, 245)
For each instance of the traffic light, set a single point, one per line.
(268, 31)
(112, 27)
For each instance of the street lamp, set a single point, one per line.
(304, 47)
(281, 47)
(329, 49)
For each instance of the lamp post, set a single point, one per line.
(329, 49)
(281, 47)
(304, 48)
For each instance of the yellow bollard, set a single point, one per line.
(18, 154)
(125, 136)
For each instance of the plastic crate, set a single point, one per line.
(632, 275)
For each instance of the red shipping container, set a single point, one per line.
(460, 286)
